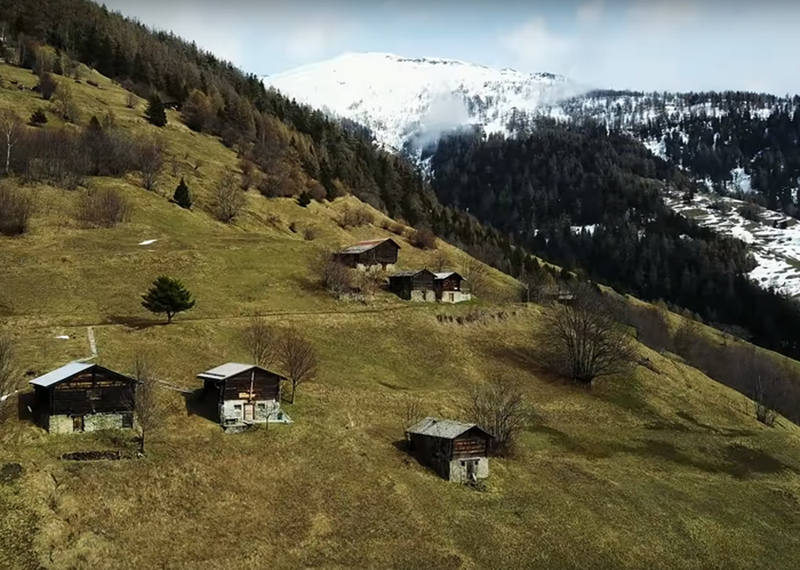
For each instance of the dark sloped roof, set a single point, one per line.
(363, 246)
(445, 429)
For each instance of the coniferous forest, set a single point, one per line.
(589, 200)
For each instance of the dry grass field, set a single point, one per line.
(665, 469)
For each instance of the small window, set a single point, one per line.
(127, 420)
(237, 407)
(261, 406)
(230, 421)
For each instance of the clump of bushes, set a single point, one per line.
(423, 239)
(16, 209)
(353, 217)
(38, 118)
(104, 208)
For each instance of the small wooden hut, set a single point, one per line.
(417, 285)
(83, 397)
(457, 451)
(372, 254)
(450, 287)
(245, 394)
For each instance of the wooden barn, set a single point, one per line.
(378, 253)
(413, 285)
(245, 394)
(83, 397)
(451, 287)
(458, 452)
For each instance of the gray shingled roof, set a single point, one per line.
(445, 429)
(363, 246)
(225, 371)
(61, 374)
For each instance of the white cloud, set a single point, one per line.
(538, 47)
(671, 45)
(314, 37)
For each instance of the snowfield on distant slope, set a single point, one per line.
(401, 99)
(776, 250)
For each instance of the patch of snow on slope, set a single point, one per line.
(402, 99)
(776, 249)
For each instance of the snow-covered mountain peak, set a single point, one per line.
(405, 99)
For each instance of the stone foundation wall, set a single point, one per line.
(458, 469)
(231, 412)
(91, 422)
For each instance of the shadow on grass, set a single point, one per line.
(409, 457)
(137, 323)
(25, 405)
(525, 359)
(685, 416)
(738, 460)
(197, 404)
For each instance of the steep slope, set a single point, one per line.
(665, 461)
(406, 101)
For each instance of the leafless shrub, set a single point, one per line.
(584, 341)
(369, 283)
(423, 239)
(131, 100)
(147, 407)
(150, 160)
(310, 233)
(16, 209)
(250, 174)
(47, 86)
(299, 359)
(499, 408)
(9, 381)
(334, 277)
(440, 261)
(260, 339)
(355, 216)
(64, 104)
(476, 274)
(228, 200)
(105, 207)
(411, 412)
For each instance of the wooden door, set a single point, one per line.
(472, 470)
(77, 423)
(249, 412)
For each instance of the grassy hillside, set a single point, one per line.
(664, 469)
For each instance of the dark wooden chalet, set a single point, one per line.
(83, 397)
(450, 287)
(457, 451)
(413, 285)
(244, 394)
(369, 254)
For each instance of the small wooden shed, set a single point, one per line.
(81, 397)
(245, 394)
(459, 452)
(451, 287)
(378, 253)
(414, 285)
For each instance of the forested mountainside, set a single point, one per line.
(588, 199)
(296, 148)
(733, 142)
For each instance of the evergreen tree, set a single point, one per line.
(304, 199)
(167, 295)
(155, 111)
(182, 196)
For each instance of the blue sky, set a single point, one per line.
(638, 44)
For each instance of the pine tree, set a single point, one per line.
(155, 111)
(182, 196)
(167, 295)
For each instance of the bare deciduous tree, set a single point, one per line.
(10, 130)
(411, 412)
(584, 340)
(440, 261)
(337, 279)
(150, 160)
(499, 408)
(147, 408)
(9, 382)
(299, 358)
(228, 200)
(261, 341)
(131, 100)
(476, 274)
